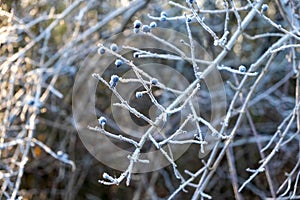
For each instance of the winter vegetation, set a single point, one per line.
(148, 99)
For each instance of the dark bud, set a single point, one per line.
(118, 63)
(114, 47)
(146, 28)
(102, 121)
(264, 8)
(163, 14)
(101, 51)
(138, 94)
(242, 68)
(137, 24)
(153, 25)
(154, 81)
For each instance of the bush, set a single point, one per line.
(159, 100)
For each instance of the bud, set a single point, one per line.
(137, 24)
(102, 121)
(114, 47)
(146, 28)
(242, 68)
(154, 81)
(163, 14)
(264, 8)
(114, 80)
(101, 51)
(153, 25)
(118, 62)
(138, 94)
